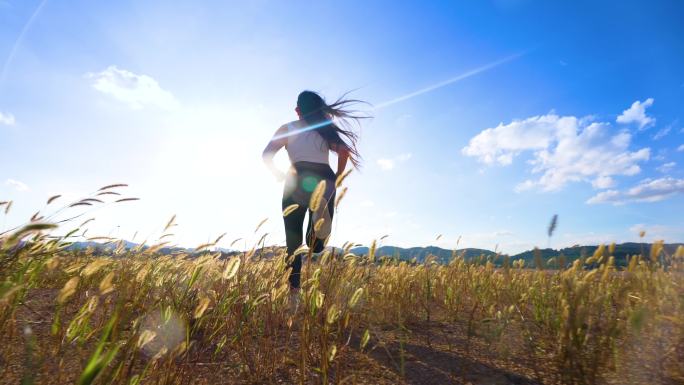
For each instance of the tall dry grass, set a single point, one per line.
(137, 316)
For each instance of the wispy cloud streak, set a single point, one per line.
(17, 42)
(421, 91)
(455, 79)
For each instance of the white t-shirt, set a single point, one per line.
(307, 145)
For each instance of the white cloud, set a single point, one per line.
(638, 228)
(503, 143)
(7, 119)
(656, 190)
(648, 190)
(584, 238)
(19, 186)
(662, 132)
(606, 196)
(656, 232)
(137, 91)
(636, 113)
(524, 186)
(564, 149)
(389, 163)
(666, 167)
(680, 148)
(386, 164)
(603, 182)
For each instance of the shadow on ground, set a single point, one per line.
(429, 365)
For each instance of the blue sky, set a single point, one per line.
(572, 109)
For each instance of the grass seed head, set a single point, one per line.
(317, 196)
(94, 266)
(232, 267)
(340, 195)
(107, 285)
(290, 209)
(319, 224)
(202, 306)
(145, 338)
(260, 224)
(340, 179)
(68, 290)
(656, 249)
(355, 297)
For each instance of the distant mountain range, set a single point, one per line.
(621, 253)
(108, 247)
(418, 254)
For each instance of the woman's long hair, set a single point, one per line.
(315, 111)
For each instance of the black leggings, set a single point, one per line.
(301, 182)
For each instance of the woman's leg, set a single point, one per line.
(316, 239)
(298, 188)
(293, 238)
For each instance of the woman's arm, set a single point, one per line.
(273, 146)
(342, 158)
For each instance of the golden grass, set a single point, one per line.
(136, 316)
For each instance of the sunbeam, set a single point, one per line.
(307, 128)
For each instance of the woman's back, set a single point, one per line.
(307, 145)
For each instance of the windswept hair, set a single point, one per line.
(337, 132)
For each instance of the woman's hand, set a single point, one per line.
(279, 175)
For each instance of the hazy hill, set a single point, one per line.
(110, 247)
(100, 246)
(621, 254)
(420, 253)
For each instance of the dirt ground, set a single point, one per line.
(439, 354)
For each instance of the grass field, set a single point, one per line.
(138, 317)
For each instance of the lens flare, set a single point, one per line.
(303, 129)
(309, 183)
(166, 331)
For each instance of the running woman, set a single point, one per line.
(308, 142)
